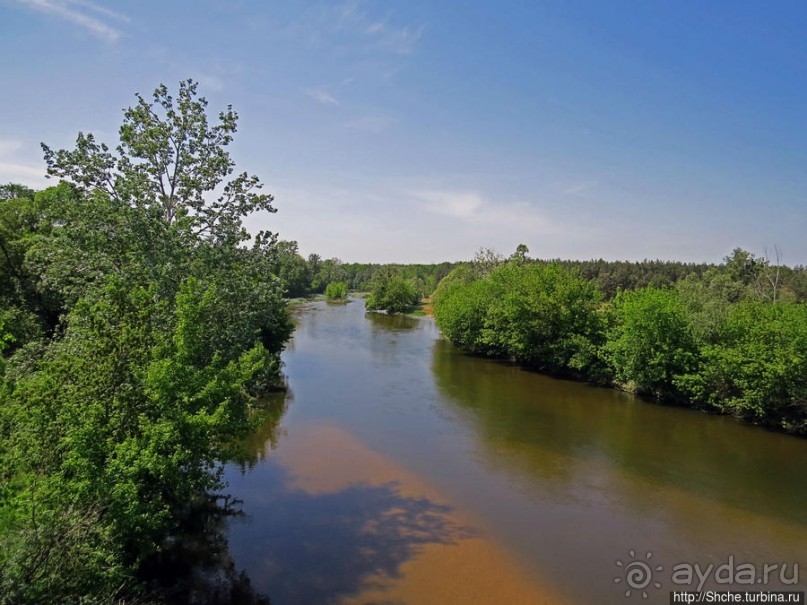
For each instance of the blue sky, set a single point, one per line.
(419, 131)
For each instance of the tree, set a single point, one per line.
(392, 293)
(168, 159)
(486, 260)
(520, 255)
(768, 282)
(742, 266)
(651, 344)
(542, 315)
(292, 269)
(336, 292)
(758, 367)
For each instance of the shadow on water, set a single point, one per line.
(313, 548)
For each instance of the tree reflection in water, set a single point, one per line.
(196, 567)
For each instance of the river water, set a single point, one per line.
(404, 471)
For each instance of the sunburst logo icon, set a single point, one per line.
(638, 574)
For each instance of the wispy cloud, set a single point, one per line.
(458, 204)
(8, 146)
(472, 207)
(374, 28)
(209, 81)
(83, 13)
(13, 172)
(578, 189)
(321, 96)
(102, 10)
(393, 38)
(17, 164)
(401, 40)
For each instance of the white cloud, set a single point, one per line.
(209, 81)
(71, 10)
(108, 12)
(457, 204)
(401, 40)
(14, 166)
(26, 174)
(374, 28)
(321, 96)
(8, 146)
(471, 207)
(576, 189)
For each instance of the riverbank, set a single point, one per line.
(703, 344)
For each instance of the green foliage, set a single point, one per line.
(461, 309)
(291, 269)
(136, 327)
(462, 274)
(361, 276)
(129, 411)
(541, 315)
(169, 157)
(30, 310)
(715, 339)
(650, 343)
(66, 556)
(336, 292)
(758, 368)
(392, 293)
(324, 272)
(303, 277)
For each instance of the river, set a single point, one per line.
(404, 471)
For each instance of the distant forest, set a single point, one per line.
(308, 276)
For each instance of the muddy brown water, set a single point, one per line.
(404, 471)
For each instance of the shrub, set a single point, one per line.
(336, 292)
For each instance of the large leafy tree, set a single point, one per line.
(169, 158)
(110, 429)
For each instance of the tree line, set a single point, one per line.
(307, 276)
(730, 338)
(137, 325)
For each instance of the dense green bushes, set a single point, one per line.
(336, 292)
(710, 342)
(537, 314)
(650, 343)
(758, 368)
(392, 293)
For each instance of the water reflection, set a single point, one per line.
(197, 568)
(392, 323)
(554, 427)
(255, 447)
(604, 473)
